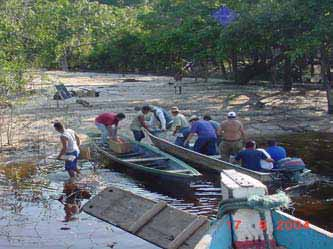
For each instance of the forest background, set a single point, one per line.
(273, 41)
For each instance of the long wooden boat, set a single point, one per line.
(204, 162)
(148, 159)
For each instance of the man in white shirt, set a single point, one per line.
(70, 147)
(161, 118)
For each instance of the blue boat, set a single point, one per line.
(270, 228)
(286, 236)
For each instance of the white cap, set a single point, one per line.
(231, 114)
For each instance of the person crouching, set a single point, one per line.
(206, 141)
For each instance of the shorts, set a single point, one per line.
(72, 165)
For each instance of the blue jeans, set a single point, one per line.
(206, 145)
(185, 131)
(104, 131)
(138, 135)
(72, 165)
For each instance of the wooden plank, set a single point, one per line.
(123, 209)
(148, 159)
(187, 232)
(147, 216)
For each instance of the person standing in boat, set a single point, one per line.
(206, 141)
(232, 133)
(180, 126)
(161, 118)
(107, 123)
(70, 147)
(250, 157)
(275, 151)
(139, 122)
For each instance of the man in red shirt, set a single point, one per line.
(107, 123)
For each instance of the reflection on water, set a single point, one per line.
(198, 197)
(314, 203)
(17, 171)
(71, 199)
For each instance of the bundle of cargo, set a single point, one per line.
(120, 145)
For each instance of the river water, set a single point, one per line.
(31, 215)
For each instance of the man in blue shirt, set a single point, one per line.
(276, 152)
(250, 157)
(206, 142)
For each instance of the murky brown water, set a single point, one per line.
(31, 215)
(313, 201)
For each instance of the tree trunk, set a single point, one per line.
(273, 68)
(222, 68)
(325, 76)
(64, 61)
(287, 85)
(312, 69)
(234, 66)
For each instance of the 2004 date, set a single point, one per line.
(282, 225)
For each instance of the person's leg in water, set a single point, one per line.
(71, 173)
(71, 166)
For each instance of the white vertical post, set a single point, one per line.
(249, 227)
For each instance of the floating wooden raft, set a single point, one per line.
(156, 222)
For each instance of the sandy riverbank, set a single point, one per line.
(263, 111)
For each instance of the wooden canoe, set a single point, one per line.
(204, 162)
(148, 159)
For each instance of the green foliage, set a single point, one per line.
(156, 35)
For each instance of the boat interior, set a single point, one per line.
(141, 155)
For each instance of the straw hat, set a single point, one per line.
(174, 109)
(193, 117)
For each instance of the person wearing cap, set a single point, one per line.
(206, 141)
(139, 122)
(107, 123)
(161, 118)
(180, 126)
(251, 158)
(232, 133)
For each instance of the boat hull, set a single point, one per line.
(291, 232)
(167, 174)
(203, 162)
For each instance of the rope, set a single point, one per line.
(260, 203)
